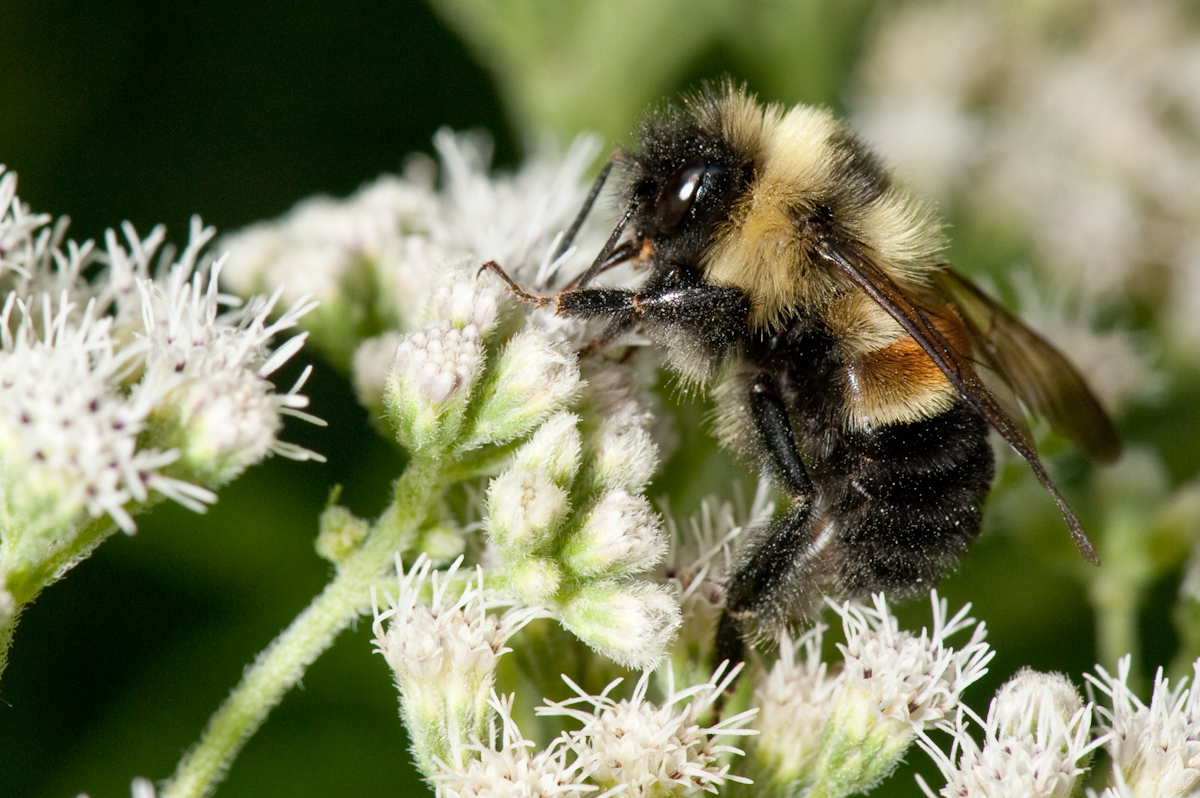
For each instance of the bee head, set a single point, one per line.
(682, 183)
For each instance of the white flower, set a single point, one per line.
(443, 655)
(1036, 743)
(68, 435)
(18, 248)
(464, 296)
(894, 685)
(511, 219)
(794, 700)
(653, 750)
(1156, 748)
(139, 381)
(509, 770)
(142, 788)
(315, 247)
(426, 393)
(916, 680)
(624, 454)
(399, 236)
(213, 366)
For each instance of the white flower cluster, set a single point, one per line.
(506, 768)
(647, 749)
(916, 680)
(578, 558)
(1155, 749)
(372, 257)
(454, 379)
(443, 646)
(851, 727)
(1037, 742)
(444, 655)
(142, 380)
(795, 698)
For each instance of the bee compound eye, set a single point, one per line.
(678, 195)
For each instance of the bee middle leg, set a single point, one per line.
(776, 564)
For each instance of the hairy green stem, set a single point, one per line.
(8, 625)
(285, 660)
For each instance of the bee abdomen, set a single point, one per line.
(907, 503)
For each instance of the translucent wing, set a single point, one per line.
(954, 364)
(1039, 375)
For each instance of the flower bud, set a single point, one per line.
(535, 580)
(621, 536)
(554, 449)
(624, 455)
(629, 623)
(429, 386)
(465, 298)
(340, 533)
(532, 378)
(371, 367)
(525, 508)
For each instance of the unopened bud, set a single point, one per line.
(525, 508)
(428, 388)
(629, 623)
(532, 379)
(554, 448)
(620, 537)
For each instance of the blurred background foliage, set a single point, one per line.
(153, 112)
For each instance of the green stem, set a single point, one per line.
(1117, 590)
(8, 625)
(285, 660)
(1116, 604)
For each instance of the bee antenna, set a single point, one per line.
(573, 230)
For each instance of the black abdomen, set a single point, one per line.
(904, 502)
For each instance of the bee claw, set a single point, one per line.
(525, 296)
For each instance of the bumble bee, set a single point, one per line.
(789, 274)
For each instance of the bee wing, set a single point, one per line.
(957, 367)
(1040, 376)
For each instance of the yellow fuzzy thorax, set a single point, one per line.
(762, 250)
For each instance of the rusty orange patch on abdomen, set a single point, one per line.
(900, 383)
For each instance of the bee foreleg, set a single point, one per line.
(618, 305)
